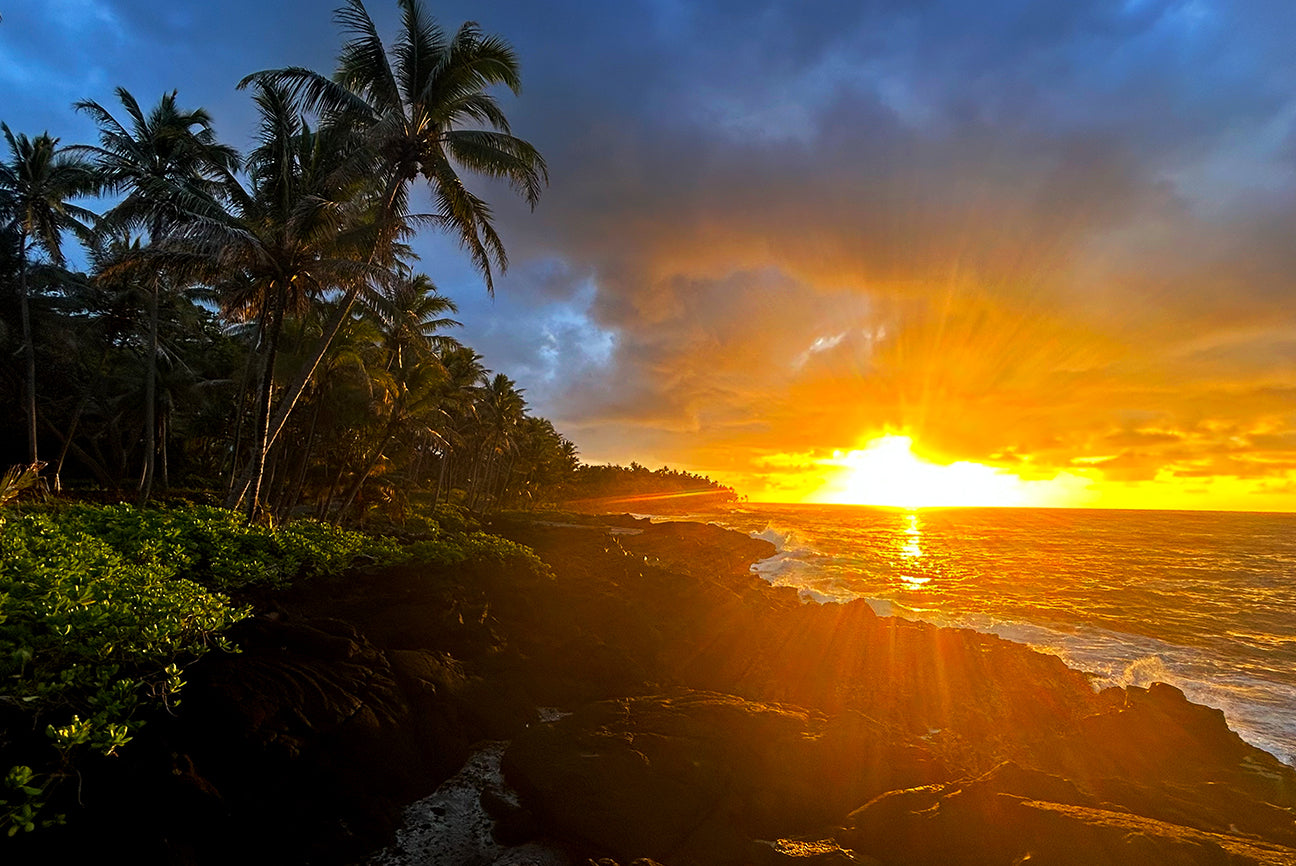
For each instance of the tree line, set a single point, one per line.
(622, 486)
(257, 323)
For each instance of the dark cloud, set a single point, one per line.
(1028, 232)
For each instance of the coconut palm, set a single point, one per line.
(500, 410)
(465, 377)
(161, 161)
(545, 458)
(411, 312)
(285, 242)
(37, 186)
(424, 108)
(110, 300)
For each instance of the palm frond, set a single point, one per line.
(20, 478)
(498, 155)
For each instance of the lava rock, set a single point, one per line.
(693, 777)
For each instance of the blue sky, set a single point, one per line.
(1053, 233)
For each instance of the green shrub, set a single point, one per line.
(455, 518)
(458, 549)
(102, 607)
(216, 548)
(92, 638)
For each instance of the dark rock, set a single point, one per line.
(979, 823)
(693, 777)
(806, 852)
(1160, 755)
(695, 549)
(516, 828)
(497, 803)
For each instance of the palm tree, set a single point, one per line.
(289, 240)
(411, 312)
(465, 377)
(39, 183)
(409, 315)
(501, 409)
(162, 161)
(419, 109)
(109, 300)
(547, 460)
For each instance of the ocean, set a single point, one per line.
(1205, 601)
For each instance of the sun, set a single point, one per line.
(887, 472)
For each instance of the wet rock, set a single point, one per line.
(452, 825)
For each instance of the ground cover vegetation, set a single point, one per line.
(102, 607)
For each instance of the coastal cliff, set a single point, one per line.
(694, 715)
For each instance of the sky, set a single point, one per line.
(1046, 246)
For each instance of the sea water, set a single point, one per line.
(1205, 601)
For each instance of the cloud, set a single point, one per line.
(1046, 219)
(1026, 233)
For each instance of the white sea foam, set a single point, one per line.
(1145, 671)
(1202, 601)
(887, 607)
(791, 564)
(1258, 710)
(811, 596)
(774, 537)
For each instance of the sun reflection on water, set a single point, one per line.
(910, 549)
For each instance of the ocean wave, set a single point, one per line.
(1202, 603)
(813, 596)
(1258, 709)
(889, 607)
(777, 537)
(791, 557)
(1263, 641)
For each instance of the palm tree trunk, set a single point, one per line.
(508, 477)
(355, 489)
(166, 432)
(261, 445)
(309, 449)
(94, 463)
(150, 397)
(293, 392)
(369, 466)
(29, 348)
(76, 419)
(441, 474)
(327, 505)
(270, 491)
(238, 404)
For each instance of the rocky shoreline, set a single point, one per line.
(704, 717)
